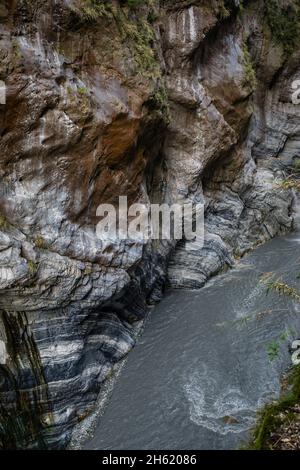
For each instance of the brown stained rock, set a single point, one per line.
(88, 101)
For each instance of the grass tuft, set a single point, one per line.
(271, 417)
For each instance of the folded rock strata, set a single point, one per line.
(170, 101)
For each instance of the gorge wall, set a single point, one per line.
(170, 101)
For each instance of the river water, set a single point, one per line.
(201, 369)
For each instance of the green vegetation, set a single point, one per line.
(139, 34)
(290, 184)
(4, 224)
(225, 8)
(283, 289)
(290, 332)
(41, 243)
(273, 350)
(135, 28)
(271, 417)
(158, 101)
(82, 90)
(249, 79)
(296, 166)
(91, 10)
(32, 267)
(223, 12)
(284, 23)
(279, 413)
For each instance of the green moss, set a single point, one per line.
(139, 35)
(159, 102)
(271, 416)
(40, 243)
(134, 27)
(249, 80)
(91, 10)
(284, 23)
(82, 91)
(4, 224)
(32, 267)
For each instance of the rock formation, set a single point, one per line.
(170, 101)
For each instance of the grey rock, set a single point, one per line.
(84, 123)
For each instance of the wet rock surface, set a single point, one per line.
(178, 102)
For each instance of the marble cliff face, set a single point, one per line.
(168, 101)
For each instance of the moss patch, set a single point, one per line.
(138, 34)
(91, 10)
(249, 80)
(41, 243)
(4, 224)
(135, 32)
(284, 22)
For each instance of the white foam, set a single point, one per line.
(217, 410)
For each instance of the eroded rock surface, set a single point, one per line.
(186, 101)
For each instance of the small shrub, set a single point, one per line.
(152, 16)
(158, 101)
